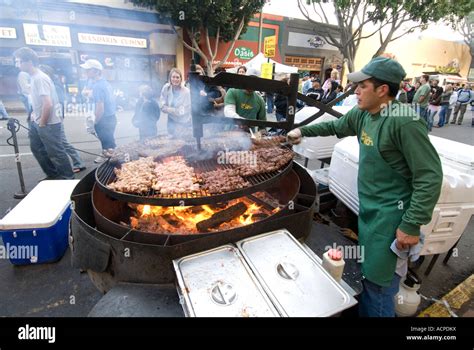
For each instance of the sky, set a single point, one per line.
(289, 8)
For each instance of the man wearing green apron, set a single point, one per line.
(399, 179)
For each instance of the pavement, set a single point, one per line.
(58, 290)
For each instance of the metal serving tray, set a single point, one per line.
(219, 283)
(297, 285)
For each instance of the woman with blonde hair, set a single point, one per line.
(334, 77)
(175, 101)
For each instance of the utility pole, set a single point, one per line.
(260, 31)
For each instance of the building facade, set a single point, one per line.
(303, 46)
(133, 46)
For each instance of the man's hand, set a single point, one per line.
(405, 241)
(294, 136)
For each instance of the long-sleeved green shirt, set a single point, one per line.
(405, 146)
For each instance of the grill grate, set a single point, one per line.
(105, 175)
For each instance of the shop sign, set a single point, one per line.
(309, 41)
(47, 35)
(266, 71)
(244, 53)
(7, 33)
(111, 40)
(270, 46)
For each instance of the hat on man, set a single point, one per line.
(306, 75)
(89, 64)
(381, 68)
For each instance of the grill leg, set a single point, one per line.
(450, 252)
(432, 262)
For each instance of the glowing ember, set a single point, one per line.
(183, 220)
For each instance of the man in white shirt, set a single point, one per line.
(46, 126)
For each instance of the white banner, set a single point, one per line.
(7, 33)
(99, 39)
(50, 36)
(310, 41)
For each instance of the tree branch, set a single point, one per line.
(324, 13)
(229, 49)
(406, 32)
(189, 47)
(196, 46)
(216, 45)
(208, 44)
(316, 12)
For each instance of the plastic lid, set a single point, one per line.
(335, 254)
(42, 207)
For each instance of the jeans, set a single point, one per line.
(71, 152)
(269, 103)
(3, 111)
(420, 110)
(47, 147)
(378, 301)
(26, 104)
(442, 115)
(105, 130)
(180, 130)
(430, 118)
(280, 117)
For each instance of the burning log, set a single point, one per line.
(222, 216)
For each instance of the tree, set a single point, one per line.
(388, 16)
(225, 20)
(466, 28)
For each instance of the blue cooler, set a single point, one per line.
(36, 230)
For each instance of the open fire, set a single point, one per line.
(195, 219)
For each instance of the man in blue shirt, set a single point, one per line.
(104, 110)
(465, 96)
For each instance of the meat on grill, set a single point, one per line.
(264, 160)
(223, 180)
(174, 177)
(134, 177)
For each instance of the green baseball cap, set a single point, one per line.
(381, 68)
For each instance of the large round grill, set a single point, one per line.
(105, 175)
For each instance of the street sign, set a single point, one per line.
(267, 71)
(270, 46)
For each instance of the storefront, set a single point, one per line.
(246, 47)
(304, 48)
(133, 48)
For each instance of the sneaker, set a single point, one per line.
(78, 169)
(108, 153)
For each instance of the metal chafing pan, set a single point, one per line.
(297, 285)
(219, 283)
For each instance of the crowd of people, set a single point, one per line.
(430, 99)
(43, 98)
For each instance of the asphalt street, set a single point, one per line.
(58, 290)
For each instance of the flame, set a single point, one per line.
(146, 210)
(190, 216)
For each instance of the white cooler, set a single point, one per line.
(317, 147)
(36, 230)
(451, 214)
(457, 155)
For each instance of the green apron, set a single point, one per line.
(384, 196)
